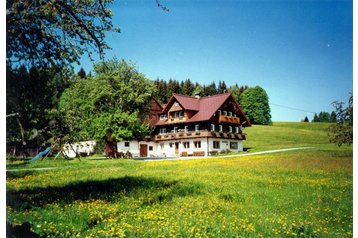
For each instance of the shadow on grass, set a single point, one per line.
(18, 174)
(155, 191)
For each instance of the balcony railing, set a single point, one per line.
(198, 134)
(229, 119)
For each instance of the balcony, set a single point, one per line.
(198, 134)
(229, 119)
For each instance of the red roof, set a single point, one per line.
(205, 106)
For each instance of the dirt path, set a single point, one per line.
(229, 156)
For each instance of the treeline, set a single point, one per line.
(325, 117)
(166, 88)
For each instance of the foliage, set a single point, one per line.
(32, 94)
(236, 91)
(255, 103)
(56, 33)
(304, 193)
(117, 97)
(187, 87)
(306, 119)
(342, 131)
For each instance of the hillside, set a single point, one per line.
(285, 135)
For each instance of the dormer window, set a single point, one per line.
(181, 113)
(163, 117)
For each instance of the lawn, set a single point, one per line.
(306, 193)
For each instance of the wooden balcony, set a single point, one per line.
(229, 119)
(198, 134)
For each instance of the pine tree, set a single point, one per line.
(81, 73)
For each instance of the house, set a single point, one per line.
(192, 126)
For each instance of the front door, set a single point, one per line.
(176, 148)
(143, 150)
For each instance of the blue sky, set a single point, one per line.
(300, 52)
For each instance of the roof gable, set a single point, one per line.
(204, 107)
(185, 102)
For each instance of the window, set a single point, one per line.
(163, 117)
(126, 144)
(171, 145)
(161, 145)
(236, 129)
(225, 113)
(219, 111)
(212, 127)
(185, 128)
(234, 145)
(230, 114)
(175, 129)
(234, 114)
(216, 144)
(186, 144)
(176, 104)
(181, 113)
(221, 128)
(230, 129)
(197, 144)
(176, 114)
(162, 130)
(197, 127)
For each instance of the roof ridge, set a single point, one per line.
(193, 97)
(183, 95)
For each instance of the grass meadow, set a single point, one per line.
(304, 193)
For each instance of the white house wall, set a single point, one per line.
(167, 148)
(224, 145)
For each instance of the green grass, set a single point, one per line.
(306, 193)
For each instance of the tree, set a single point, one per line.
(222, 87)
(48, 33)
(32, 94)
(333, 117)
(81, 73)
(255, 103)
(315, 118)
(306, 119)
(210, 89)
(324, 117)
(117, 97)
(342, 131)
(236, 91)
(187, 87)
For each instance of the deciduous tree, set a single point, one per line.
(255, 103)
(117, 97)
(56, 32)
(342, 131)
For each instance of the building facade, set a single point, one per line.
(192, 126)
